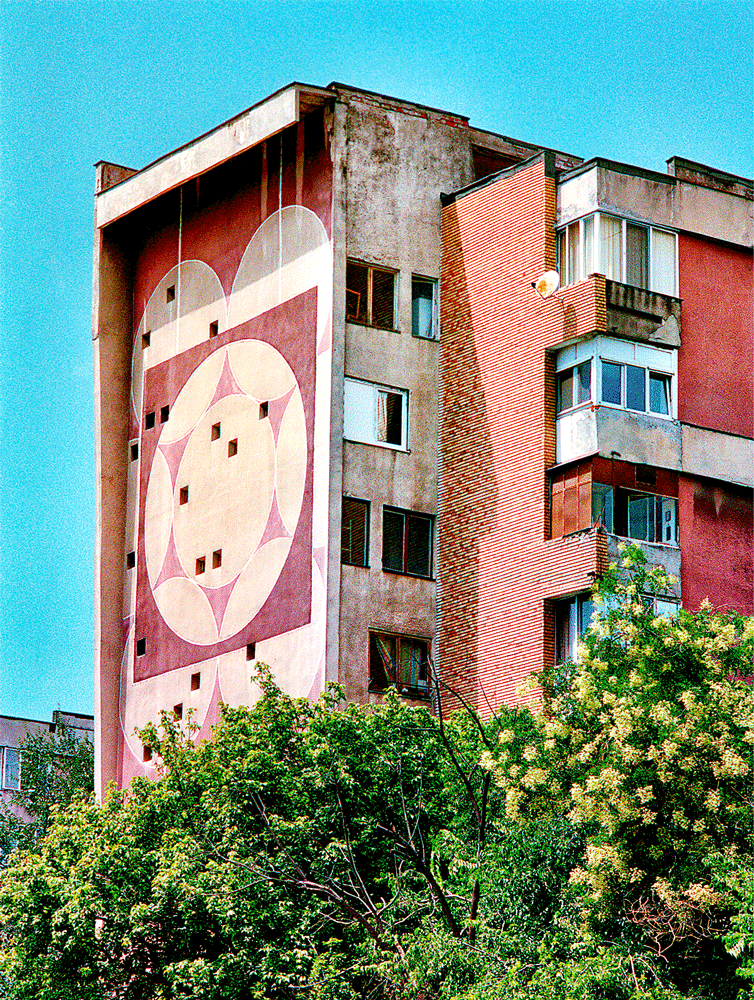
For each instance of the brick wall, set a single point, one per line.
(497, 567)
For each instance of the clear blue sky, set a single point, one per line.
(129, 81)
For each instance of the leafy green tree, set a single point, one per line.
(645, 745)
(55, 768)
(596, 848)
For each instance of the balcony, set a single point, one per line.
(667, 556)
(638, 314)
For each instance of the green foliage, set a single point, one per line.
(595, 849)
(56, 767)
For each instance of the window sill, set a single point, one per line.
(626, 409)
(371, 326)
(401, 572)
(417, 694)
(380, 444)
(354, 565)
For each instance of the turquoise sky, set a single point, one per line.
(129, 81)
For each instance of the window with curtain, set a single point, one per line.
(399, 661)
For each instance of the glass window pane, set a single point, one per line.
(586, 610)
(422, 303)
(12, 769)
(382, 662)
(637, 257)
(356, 292)
(611, 383)
(565, 390)
(635, 388)
(638, 518)
(354, 549)
(669, 515)
(390, 417)
(588, 233)
(584, 387)
(659, 393)
(663, 262)
(562, 269)
(383, 299)
(574, 270)
(602, 505)
(392, 540)
(611, 237)
(419, 545)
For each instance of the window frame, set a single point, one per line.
(351, 410)
(646, 495)
(666, 377)
(367, 519)
(3, 774)
(588, 260)
(434, 321)
(575, 605)
(407, 516)
(403, 686)
(559, 378)
(371, 269)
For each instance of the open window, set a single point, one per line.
(424, 307)
(370, 295)
(573, 615)
(354, 532)
(399, 661)
(375, 414)
(11, 768)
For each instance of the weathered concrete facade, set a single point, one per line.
(294, 466)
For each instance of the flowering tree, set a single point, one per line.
(646, 745)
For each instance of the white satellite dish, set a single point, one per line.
(547, 284)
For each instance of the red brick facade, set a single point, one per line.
(498, 569)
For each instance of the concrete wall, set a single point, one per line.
(395, 163)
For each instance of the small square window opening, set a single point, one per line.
(196, 681)
(217, 559)
(232, 447)
(264, 409)
(201, 563)
(164, 414)
(134, 452)
(215, 433)
(214, 329)
(251, 651)
(147, 754)
(178, 710)
(130, 560)
(183, 495)
(145, 339)
(149, 420)
(170, 294)
(141, 647)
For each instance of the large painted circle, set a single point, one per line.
(236, 498)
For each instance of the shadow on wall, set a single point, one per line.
(468, 495)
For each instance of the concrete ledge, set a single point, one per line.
(716, 455)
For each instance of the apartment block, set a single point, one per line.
(296, 467)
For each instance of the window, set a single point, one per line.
(11, 760)
(621, 250)
(370, 295)
(602, 506)
(407, 542)
(653, 519)
(423, 307)
(375, 414)
(635, 388)
(354, 532)
(572, 618)
(575, 386)
(398, 661)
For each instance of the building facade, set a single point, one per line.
(279, 421)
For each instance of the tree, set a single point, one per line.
(645, 745)
(55, 768)
(339, 851)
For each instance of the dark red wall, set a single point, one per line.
(717, 543)
(716, 359)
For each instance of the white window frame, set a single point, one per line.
(4, 762)
(574, 605)
(623, 405)
(590, 264)
(574, 367)
(361, 413)
(434, 324)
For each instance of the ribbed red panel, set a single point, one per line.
(498, 436)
